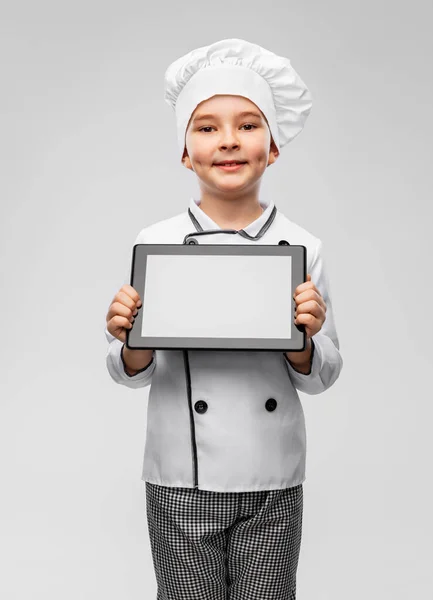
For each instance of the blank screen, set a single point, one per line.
(217, 296)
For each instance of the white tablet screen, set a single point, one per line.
(217, 296)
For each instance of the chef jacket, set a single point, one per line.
(245, 428)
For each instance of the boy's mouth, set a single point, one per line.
(230, 166)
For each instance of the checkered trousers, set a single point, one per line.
(224, 545)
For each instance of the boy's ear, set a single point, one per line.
(273, 153)
(186, 161)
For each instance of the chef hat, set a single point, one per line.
(240, 68)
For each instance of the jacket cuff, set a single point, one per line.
(310, 383)
(116, 365)
(325, 368)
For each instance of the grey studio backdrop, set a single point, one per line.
(89, 157)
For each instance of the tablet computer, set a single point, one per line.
(219, 297)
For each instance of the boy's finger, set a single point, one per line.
(130, 296)
(308, 296)
(132, 293)
(119, 308)
(305, 294)
(312, 307)
(304, 286)
(126, 300)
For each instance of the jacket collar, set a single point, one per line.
(255, 230)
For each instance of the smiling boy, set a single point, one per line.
(225, 454)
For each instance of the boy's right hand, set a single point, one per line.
(122, 311)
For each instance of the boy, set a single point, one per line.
(225, 447)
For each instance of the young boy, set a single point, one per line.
(225, 447)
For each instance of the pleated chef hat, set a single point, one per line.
(237, 67)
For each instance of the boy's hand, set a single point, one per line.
(311, 308)
(310, 312)
(122, 311)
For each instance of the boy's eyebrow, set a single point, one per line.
(246, 113)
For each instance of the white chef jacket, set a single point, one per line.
(245, 429)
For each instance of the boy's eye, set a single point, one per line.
(246, 125)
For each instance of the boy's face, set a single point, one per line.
(228, 135)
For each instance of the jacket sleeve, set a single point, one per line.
(114, 356)
(326, 358)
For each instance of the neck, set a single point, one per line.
(231, 213)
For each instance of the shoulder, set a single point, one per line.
(163, 232)
(296, 234)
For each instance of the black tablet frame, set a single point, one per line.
(297, 342)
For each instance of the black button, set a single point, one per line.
(271, 404)
(200, 406)
(283, 243)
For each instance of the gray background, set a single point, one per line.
(89, 157)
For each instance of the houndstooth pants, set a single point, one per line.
(218, 545)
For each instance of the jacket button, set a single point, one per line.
(271, 404)
(200, 406)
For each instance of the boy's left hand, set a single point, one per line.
(310, 307)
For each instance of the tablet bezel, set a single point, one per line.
(297, 342)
